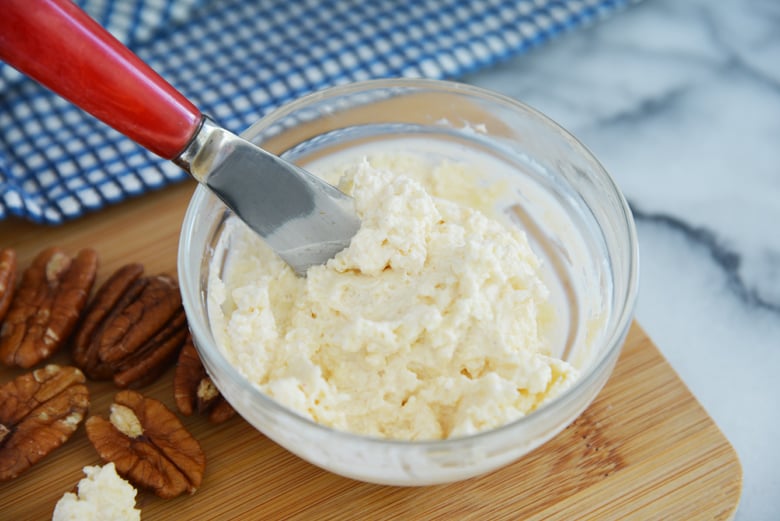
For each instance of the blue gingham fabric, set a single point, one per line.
(239, 59)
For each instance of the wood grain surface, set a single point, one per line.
(645, 449)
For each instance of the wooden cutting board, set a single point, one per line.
(645, 449)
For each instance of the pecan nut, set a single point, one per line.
(149, 445)
(133, 328)
(7, 279)
(39, 411)
(193, 389)
(47, 306)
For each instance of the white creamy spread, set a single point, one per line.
(102, 496)
(429, 325)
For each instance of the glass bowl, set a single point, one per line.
(573, 213)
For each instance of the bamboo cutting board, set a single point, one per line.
(645, 449)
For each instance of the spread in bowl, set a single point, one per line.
(433, 323)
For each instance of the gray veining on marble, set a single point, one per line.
(681, 102)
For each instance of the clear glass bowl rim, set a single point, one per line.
(624, 308)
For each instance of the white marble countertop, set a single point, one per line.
(681, 102)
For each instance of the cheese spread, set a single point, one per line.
(431, 324)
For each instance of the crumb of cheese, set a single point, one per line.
(102, 496)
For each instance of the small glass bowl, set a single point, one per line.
(573, 213)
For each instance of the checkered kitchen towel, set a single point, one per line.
(239, 59)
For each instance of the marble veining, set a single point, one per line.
(727, 259)
(681, 102)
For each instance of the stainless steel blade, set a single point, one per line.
(303, 218)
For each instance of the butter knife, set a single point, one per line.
(303, 218)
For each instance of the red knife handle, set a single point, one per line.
(60, 46)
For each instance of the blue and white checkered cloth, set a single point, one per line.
(239, 59)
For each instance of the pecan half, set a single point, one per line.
(39, 411)
(7, 279)
(100, 307)
(149, 445)
(133, 328)
(47, 306)
(193, 389)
